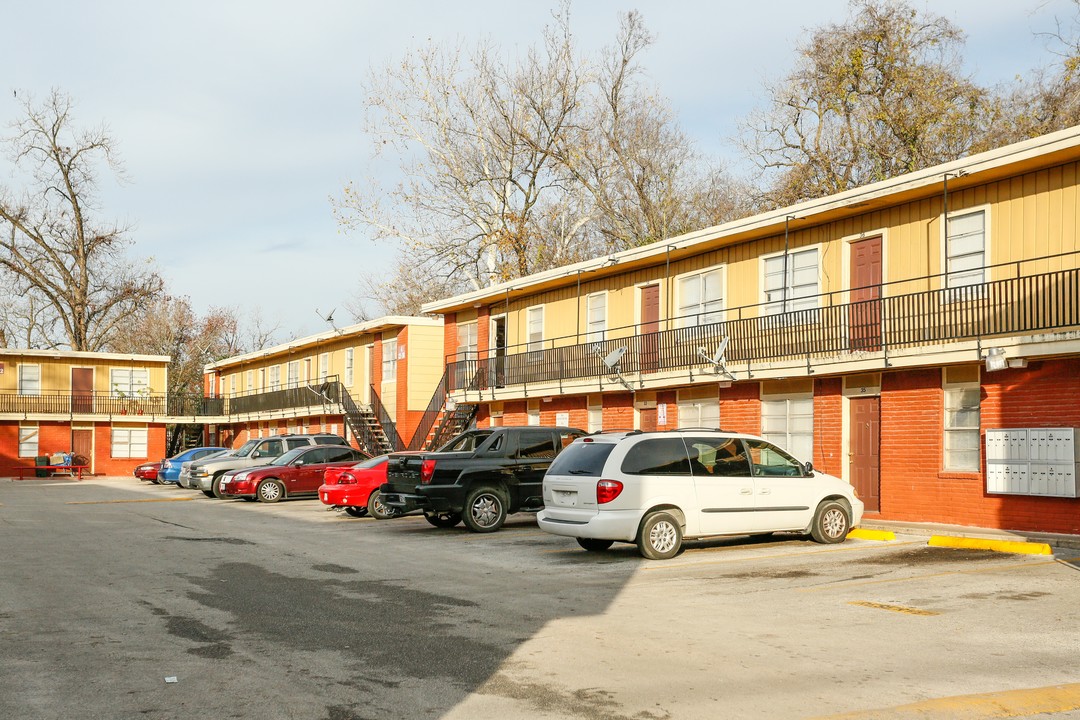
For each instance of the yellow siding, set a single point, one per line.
(425, 364)
(1030, 216)
(56, 372)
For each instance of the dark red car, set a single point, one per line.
(357, 489)
(147, 471)
(297, 473)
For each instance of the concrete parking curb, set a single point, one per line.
(1006, 546)
(1057, 541)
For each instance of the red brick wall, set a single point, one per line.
(828, 426)
(105, 464)
(913, 485)
(515, 413)
(618, 411)
(740, 408)
(576, 406)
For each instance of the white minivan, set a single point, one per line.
(657, 488)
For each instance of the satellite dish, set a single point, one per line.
(614, 357)
(718, 356)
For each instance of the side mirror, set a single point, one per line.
(808, 468)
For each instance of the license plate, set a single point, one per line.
(221, 485)
(566, 498)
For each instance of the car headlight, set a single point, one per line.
(238, 476)
(199, 472)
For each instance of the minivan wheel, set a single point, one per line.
(485, 510)
(831, 523)
(594, 545)
(269, 491)
(357, 512)
(660, 536)
(442, 520)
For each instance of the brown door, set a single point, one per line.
(647, 416)
(866, 294)
(82, 446)
(82, 390)
(865, 447)
(650, 326)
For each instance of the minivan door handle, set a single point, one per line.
(766, 491)
(746, 491)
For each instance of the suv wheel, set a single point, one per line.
(594, 545)
(660, 536)
(356, 512)
(485, 510)
(269, 491)
(442, 520)
(831, 523)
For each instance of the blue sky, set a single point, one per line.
(238, 121)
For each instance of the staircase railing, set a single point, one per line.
(389, 426)
(431, 414)
(354, 415)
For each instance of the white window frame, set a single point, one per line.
(232, 385)
(699, 413)
(532, 415)
(706, 310)
(952, 396)
(595, 415)
(129, 442)
(349, 371)
(292, 374)
(800, 443)
(948, 282)
(324, 367)
(250, 377)
(29, 440)
(275, 378)
(468, 340)
(805, 301)
(129, 382)
(389, 360)
(596, 317)
(29, 386)
(534, 327)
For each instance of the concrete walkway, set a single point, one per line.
(1057, 541)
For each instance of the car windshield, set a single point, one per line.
(289, 456)
(582, 458)
(244, 449)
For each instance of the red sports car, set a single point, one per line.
(357, 489)
(297, 472)
(147, 471)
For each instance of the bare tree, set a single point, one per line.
(512, 167)
(874, 98)
(52, 247)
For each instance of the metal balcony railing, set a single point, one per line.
(83, 403)
(893, 317)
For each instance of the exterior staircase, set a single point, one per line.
(184, 437)
(364, 424)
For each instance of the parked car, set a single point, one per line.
(170, 468)
(206, 473)
(297, 473)
(480, 476)
(356, 489)
(147, 471)
(658, 488)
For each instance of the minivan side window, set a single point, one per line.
(659, 456)
(767, 459)
(718, 456)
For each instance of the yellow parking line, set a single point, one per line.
(141, 500)
(1006, 546)
(892, 608)
(1005, 704)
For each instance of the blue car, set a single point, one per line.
(170, 469)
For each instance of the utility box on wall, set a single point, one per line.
(1032, 461)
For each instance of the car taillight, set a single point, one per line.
(346, 479)
(607, 490)
(427, 470)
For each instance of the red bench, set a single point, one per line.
(21, 471)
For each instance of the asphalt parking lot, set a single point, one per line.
(108, 587)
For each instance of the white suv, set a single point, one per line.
(656, 488)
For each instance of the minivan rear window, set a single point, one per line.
(582, 458)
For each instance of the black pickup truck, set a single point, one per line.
(480, 476)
